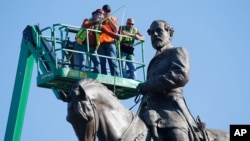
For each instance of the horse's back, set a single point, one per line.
(217, 135)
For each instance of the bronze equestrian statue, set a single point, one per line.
(95, 112)
(163, 115)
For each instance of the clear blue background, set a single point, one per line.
(215, 32)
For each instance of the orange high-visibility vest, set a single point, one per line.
(105, 37)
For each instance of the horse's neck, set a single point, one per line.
(123, 125)
(114, 119)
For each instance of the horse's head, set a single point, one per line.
(93, 110)
(81, 112)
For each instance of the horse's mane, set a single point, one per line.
(89, 83)
(95, 87)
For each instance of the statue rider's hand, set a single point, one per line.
(141, 88)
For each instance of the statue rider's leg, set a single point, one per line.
(173, 134)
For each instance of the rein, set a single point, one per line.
(137, 99)
(96, 122)
(128, 134)
(132, 121)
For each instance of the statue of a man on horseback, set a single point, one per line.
(94, 110)
(163, 107)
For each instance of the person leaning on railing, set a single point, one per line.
(127, 47)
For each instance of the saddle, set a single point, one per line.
(154, 121)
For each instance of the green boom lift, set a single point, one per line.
(52, 50)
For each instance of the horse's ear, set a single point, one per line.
(82, 93)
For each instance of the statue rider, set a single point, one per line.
(163, 107)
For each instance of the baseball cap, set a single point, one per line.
(98, 11)
(106, 8)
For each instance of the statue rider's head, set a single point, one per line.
(161, 34)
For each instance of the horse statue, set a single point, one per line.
(95, 112)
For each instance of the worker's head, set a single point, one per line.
(97, 14)
(130, 23)
(161, 34)
(107, 10)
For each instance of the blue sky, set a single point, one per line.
(215, 32)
